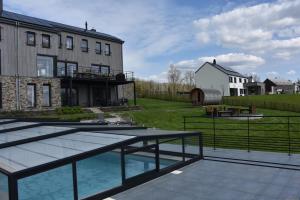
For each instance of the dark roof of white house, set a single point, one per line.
(56, 27)
(226, 70)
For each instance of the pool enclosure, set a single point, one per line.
(48, 161)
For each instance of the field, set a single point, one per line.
(282, 102)
(271, 133)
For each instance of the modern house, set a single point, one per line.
(280, 86)
(45, 65)
(223, 79)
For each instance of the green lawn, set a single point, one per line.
(264, 133)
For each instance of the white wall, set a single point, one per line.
(208, 77)
(238, 85)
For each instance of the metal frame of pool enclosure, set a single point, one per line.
(162, 151)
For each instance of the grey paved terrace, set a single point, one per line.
(211, 180)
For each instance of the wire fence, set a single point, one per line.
(264, 133)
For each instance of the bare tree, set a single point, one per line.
(174, 77)
(189, 79)
(255, 78)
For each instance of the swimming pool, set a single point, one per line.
(94, 175)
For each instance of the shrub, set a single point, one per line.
(69, 110)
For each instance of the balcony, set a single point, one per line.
(98, 74)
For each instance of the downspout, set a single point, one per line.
(17, 70)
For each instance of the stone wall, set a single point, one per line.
(9, 94)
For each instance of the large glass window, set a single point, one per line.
(105, 70)
(107, 50)
(71, 69)
(45, 66)
(61, 69)
(30, 38)
(69, 43)
(45, 41)
(4, 192)
(54, 184)
(31, 95)
(46, 95)
(84, 45)
(98, 48)
(96, 69)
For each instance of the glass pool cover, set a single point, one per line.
(62, 163)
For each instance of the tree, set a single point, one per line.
(189, 79)
(174, 78)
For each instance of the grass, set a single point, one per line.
(265, 134)
(283, 102)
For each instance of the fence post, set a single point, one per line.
(289, 136)
(214, 127)
(248, 134)
(184, 128)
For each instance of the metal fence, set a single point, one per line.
(265, 133)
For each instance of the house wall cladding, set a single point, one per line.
(9, 96)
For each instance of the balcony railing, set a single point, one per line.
(97, 74)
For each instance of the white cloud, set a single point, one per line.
(149, 28)
(291, 72)
(263, 28)
(272, 74)
(239, 61)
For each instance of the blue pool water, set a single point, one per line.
(94, 175)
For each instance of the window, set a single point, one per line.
(31, 39)
(245, 80)
(71, 68)
(241, 91)
(105, 70)
(45, 66)
(240, 80)
(59, 41)
(69, 43)
(45, 41)
(98, 48)
(96, 69)
(0, 33)
(107, 50)
(84, 45)
(230, 79)
(101, 69)
(0, 95)
(31, 95)
(61, 69)
(0, 62)
(46, 95)
(234, 79)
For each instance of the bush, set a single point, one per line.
(69, 110)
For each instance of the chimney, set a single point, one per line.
(214, 62)
(86, 25)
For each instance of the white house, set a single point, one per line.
(224, 79)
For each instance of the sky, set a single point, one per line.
(259, 37)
